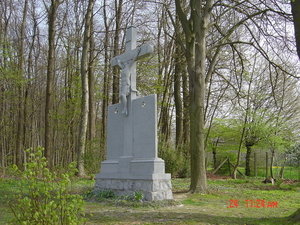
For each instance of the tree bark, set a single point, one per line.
(243, 132)
(267, 166)
(186, 105)
(295, 216)
(248, 157)
(255, 165)
(91, 82)
(282, 168)
(85, 91)
(235, 169)
(296, 15)
(116, 74)
(272, 162)
(50, 81)
(106, 80)
(21, 119)
(214, 152)
(177, 97)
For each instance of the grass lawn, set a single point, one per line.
(244, 201)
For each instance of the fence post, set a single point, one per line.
(255, 165)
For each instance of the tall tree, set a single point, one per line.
(195, 29)
(106, 80)
(180, 90)
(116, 76)
(85, 90)
(164, 76)
(91, 78)
(296, 15)
(177, 96)
(21, 119)
(52, 15)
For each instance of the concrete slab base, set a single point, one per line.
(152, 189)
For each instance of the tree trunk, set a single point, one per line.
(116, 74)
(85, 91)
(282, 168)
(186, 118)
(21, 119)
(106, 80)
(235, 169)
(164, 122)
(296, 215)
(195, 30)
(177, 97)
(255, 165)
(267, 166)
(296, 15)
(242, 136)
(214, 152)
(248, 157)
(164, 119)
(91, 81)
(50, 82)
(271, 164)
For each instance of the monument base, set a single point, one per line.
(152, 189)
(127, 175)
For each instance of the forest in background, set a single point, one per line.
(56, 80)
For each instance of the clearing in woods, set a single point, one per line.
(242, 201)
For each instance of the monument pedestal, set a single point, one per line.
(142, 170)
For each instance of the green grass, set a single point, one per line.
(8, 188)
(211, 208)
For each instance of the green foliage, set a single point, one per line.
(136, 196)
(44, 197)
(224, 135)
(149, 79)
(93, 155)
(176, 161)
(100, 195)
(107, 194)
(294, 152)
(263, 133)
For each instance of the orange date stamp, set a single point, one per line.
(250, 203)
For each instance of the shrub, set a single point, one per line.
(44, 197)
(176, 161)
(93, 156)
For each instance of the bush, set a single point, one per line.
(44, 198)
(176, 162)
(93, 156)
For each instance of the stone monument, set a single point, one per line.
(132, 163)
